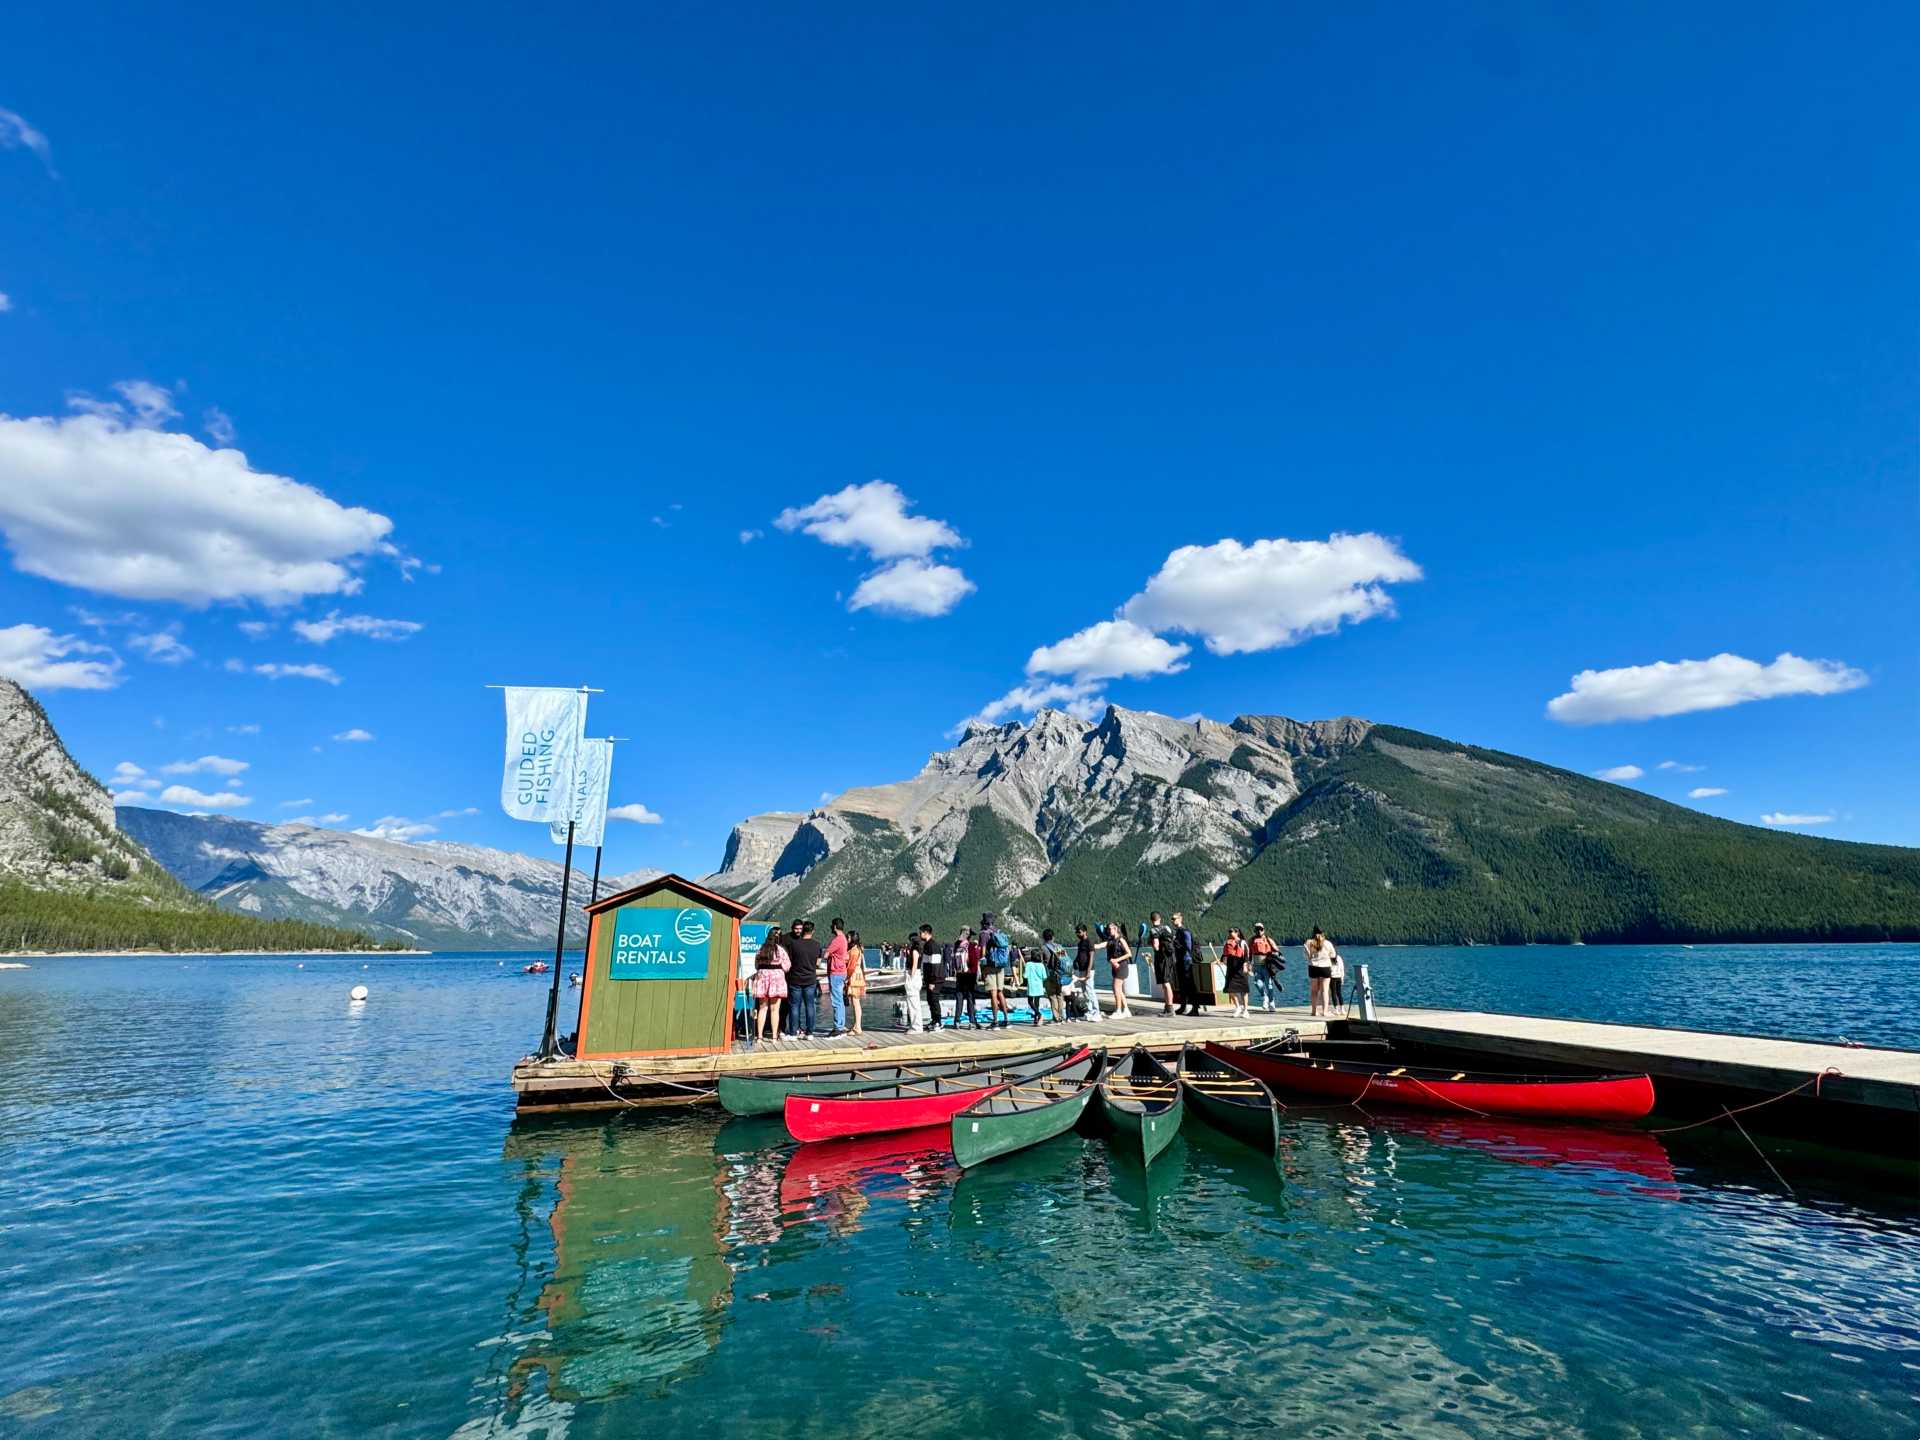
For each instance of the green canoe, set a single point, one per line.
(766, 1094)
(1230, 1100)
(1141, 1104)
(1028, 1112)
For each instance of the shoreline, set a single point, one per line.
(182, 954)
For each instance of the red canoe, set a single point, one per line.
(1560, 1097)
(913, 1103)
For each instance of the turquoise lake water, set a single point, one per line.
(232, 1204)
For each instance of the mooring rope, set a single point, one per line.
(1729, 1114)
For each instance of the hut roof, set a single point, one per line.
(712, 899)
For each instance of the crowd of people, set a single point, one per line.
(793, 975)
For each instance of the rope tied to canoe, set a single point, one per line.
(1727, 1114)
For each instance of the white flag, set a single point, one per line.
(543, 739)
(591, 778)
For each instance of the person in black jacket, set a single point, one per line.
(933, 971)
(803, 979)
(1186, 968)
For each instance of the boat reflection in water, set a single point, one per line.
(836, 1180)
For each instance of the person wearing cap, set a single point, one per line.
(1267, 962)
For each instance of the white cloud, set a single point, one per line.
(151, 404)
(637, 813)
(199, 800)
(1243, 598)
(1679, 687)
(354, 736)
(41, 660)
(295, 804)
(397, 828)
(128, 773)
(205, 765)
(163, 647)
(1777, 818)
(1620, 772)
(17, 134)
(1112, 649)
(912, 587)
(1237, 598)
(104, 501)
(456, 814)
(871, 517)
(1705, 792)
(6, 302)
(1079, 698)
(256, 629)
(275, 671)
(1678, 768)
(129, 797)
(747, 537)
(243, 729)
(218, 425)
(373, 628)
(334, 818)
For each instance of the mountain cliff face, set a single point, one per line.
(57, 827)
(1378, 833)
(434, 894)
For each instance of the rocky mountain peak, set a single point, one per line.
(57, 828)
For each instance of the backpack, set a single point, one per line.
(1057, 961)
(998, 955)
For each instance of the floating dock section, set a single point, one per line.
(1859, 1097)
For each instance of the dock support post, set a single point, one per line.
(1366, 993)
(549, 1042)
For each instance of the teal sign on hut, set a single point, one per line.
(661, 965)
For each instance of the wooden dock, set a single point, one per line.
(1854, 1097)
(681, 1079)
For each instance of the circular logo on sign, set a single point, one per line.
(692, 927)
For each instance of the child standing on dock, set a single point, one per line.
(1035, 971)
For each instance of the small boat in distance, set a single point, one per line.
(910, 1104)
(1230, 1099)
(1025, 1113)
(538, 967)
(1540, 1097)
(1140, 1104)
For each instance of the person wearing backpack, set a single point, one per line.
(995, 961)
(1054, 956)
(966, 980)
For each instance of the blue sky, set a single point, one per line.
(1601, 324)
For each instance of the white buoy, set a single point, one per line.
(358, 993)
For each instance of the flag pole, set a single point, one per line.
(549, 1043)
